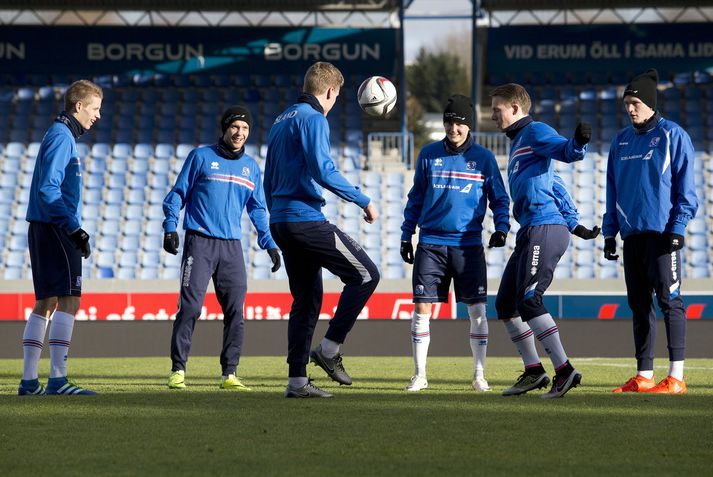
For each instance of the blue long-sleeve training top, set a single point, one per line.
(530, 173)
(298, 166)
(650, 183)
(564, 203)
(449, 193)
(56, 188)
(214, 191)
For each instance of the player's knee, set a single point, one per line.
(68, 304)
(504, 308)
(45, 307)
(531, 306)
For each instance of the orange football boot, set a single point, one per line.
(669, 385)
(637, 384)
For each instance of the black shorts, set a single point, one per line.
(435, 265)
(56, 262)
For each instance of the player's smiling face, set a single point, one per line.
(236, 134)
(456, 133)
(637, 110)
(87, 112)
(504, 112)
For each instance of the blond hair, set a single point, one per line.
(322, 76)
(514, 93)
(80, 91)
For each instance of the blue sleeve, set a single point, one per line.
(416, 196)
(178, 195)
(258, 215)
(57, 154)
(314, 135)
(547, 143)
(610, 222)
(683, 189)
(498, 199)
(564, 202)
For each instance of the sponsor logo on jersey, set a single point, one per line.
(214, 165)
(654, 141)
(466, 189)
(515, 167)
(438, 162)
(535, 259)
(648, 155)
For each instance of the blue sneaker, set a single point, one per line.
(30, 387)
(64, 386)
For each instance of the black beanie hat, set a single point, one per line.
(235, 113)
(643, 87)
(459, 110)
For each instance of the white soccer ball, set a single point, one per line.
(377, 96)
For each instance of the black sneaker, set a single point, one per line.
(332, 366)
(309, 390)
(527, 382)
(562, 384)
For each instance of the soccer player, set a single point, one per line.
(297, 167)
(215, 185)
(454, 180)
(651, 196)
(57, 241)
(541, 240)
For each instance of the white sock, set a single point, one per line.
(59, 340)
(478, 337)
(296, 382)
(420, 339)
(329, 348)
(648, 374)
(675, 369)
(33, 340)
(547, 333)
(522, 337)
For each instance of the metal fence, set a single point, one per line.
(389, 147)
(497, 142)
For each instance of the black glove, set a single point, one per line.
(497, 239)
(406, 251)
(81, 241)
(170, 242)
(583, 133)
(610, 249)
(675, 242)
(583, 232)
(275, 257)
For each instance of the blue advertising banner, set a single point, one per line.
(669, 47)
(194, 50)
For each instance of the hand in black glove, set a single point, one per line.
(406, 251)
(170, 242)
(583, 232)
(610, 249)
(81, 241)
(275, 257)
(675, 242)
(497, 239)
(583, 133)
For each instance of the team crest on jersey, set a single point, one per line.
(418, 290)
(470, 165)
(654, 141)
(438, 162)
(214, 165)
(246, 172)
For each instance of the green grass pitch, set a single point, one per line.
(136, 426)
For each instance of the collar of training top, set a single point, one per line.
(451, 149)
(71, 122)
(648, 125)
(225, 151)
(312, 101)
(512, 130)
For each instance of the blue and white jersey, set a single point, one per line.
(215, 190)
(449, 194)
(650, 183)
(531, 173)
(564, 203)
(56, 188)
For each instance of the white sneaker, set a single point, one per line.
(481, 385)
(417, 383)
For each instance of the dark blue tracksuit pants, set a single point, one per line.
(307, 247)
(205, 258)
(649, 268)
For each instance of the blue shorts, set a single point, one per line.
(56, 262)
(435, 265)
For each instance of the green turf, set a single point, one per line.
(136, 426)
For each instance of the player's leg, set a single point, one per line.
(471, 287)
(305, 279)
(638, 293)
(667, 284)
(33, 339)
(231, 285)
(534, 375)
(197, 265)
(546, 245)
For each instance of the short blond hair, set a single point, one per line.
(80, 91)
(322, 76)
(514, 93)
